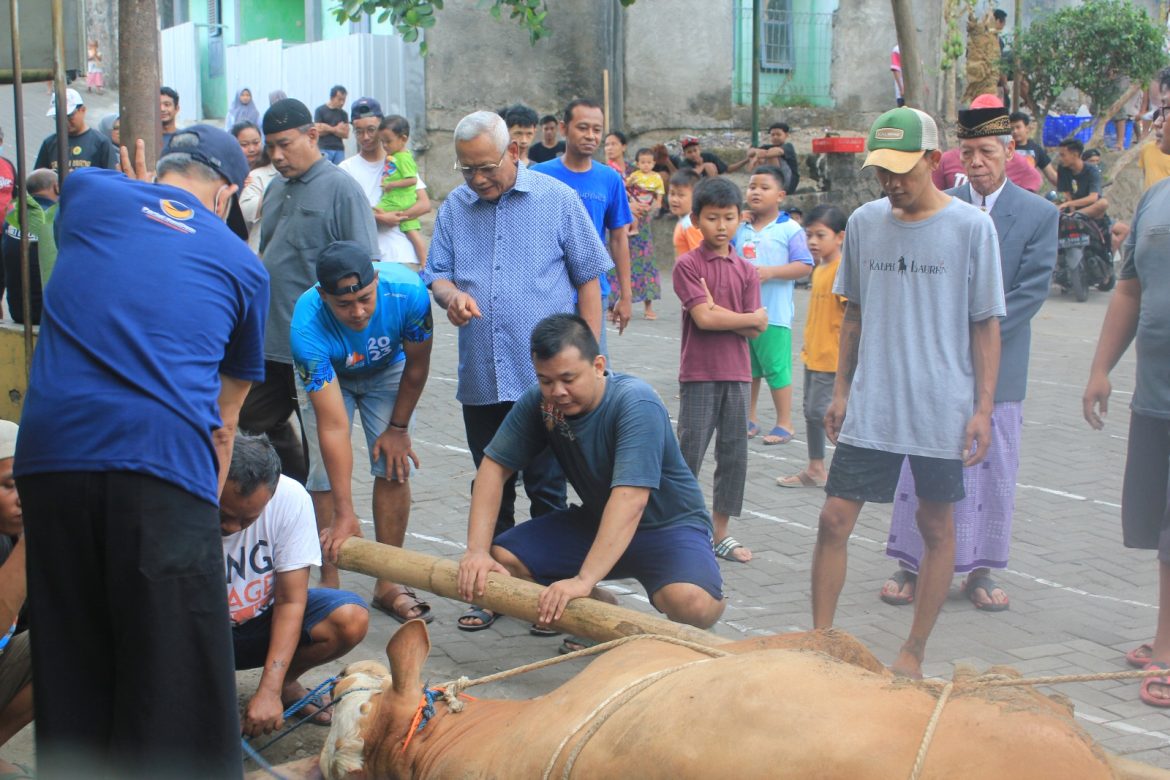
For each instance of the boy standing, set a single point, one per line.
(679, 196)
(720, 295)
(780, 254)
(521, 122)
(549, 145)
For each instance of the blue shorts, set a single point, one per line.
(251, 639)
(554, 546)
(374, 396)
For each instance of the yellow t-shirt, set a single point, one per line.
(822, 328)
(1154, 163)
(651, 182)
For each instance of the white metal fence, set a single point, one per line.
(179, 48)
(367, 65)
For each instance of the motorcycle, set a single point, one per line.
(1083, 258)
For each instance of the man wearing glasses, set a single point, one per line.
(510, 247)
(366, 168)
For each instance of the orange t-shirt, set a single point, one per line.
(822, 327)
(686, 237)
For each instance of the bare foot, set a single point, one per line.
(907, 665)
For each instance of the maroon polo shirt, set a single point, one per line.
(712, 355)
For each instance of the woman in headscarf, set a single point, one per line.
(243, 109)
(275, 96)
(262, 174)
(109, 127)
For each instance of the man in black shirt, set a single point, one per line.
(548, 147)
(86, 147)
(1079, 182)
(332, 125)
(1029, 149)
(704, 163)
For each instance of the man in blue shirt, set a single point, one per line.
(642, 515)
(510, 247)
(126, 436)
(603, 193)
(362, 338)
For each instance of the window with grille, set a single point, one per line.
(776, 34)
(215, 18)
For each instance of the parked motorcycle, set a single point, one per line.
(1083, 259)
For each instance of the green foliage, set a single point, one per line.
(1090, 47)
(411, 17)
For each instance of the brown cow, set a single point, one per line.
(799, 705)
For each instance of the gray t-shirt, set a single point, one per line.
(300, 218)
(919, 286)
(1146, 254)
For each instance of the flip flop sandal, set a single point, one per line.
(902, 577)
(726, 547)
(572, 644)
(1144, 693)
(1139, 656)
(780, 436)
(485, 617)
(536, 630)
(801, 480)
(423, 607)
(753, 430)
(319, 702)
(988, 585)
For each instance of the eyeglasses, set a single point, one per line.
(1160, 112)
(470, 170)
(365, 131)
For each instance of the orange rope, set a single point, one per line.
(415, 722)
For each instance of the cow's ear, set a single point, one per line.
(407, 651)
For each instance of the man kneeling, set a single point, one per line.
(278, 621)
(643, 516)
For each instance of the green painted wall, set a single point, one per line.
(807, 82)
(284, 19)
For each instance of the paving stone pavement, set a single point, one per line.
(1079, 600)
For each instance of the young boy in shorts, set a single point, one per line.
(776, 246)
(720, 295)
(682, 189)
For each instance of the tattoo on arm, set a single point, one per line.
(850, 342)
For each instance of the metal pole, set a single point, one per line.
(755, 73)
(138, 69)
(21, 176)
(62, 118)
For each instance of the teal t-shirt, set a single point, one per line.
(626, 441)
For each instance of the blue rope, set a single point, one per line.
(293, 709)
(431, 695)
(260, 762)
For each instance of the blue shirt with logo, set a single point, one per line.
(323, 347)
(779, 243)
(602, 191)
(152, 298)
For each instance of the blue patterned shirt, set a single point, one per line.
(521, 258)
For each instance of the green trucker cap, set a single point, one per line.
(898, 139)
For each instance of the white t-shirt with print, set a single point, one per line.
(283, 538)
(392, 243)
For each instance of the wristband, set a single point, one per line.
(397, 426)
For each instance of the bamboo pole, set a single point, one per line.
(509, 595)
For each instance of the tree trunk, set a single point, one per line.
(1099, 128)
(138, 67)
(908, 45)
(509, 595)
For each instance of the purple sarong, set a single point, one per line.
(983, 520)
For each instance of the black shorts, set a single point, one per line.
(860, 474)
(1145, 507)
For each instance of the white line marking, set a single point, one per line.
(451, 447)
(1078, 591)
(437, 540)
(1124, 728)
(1052, 491)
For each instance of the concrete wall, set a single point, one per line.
(678, 65)
(101, 24)
(863, 36)
(478, 63)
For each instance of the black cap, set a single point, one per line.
(363, 108)
(214, 148)
(342, 259)
(287, 114)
